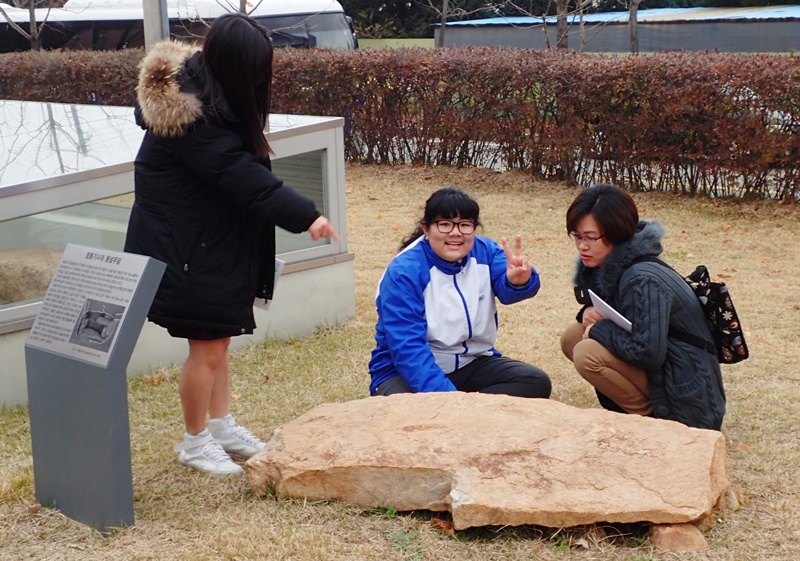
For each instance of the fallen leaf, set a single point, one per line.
(740, 447)
(234, 396)
(34, 508)
(265, 378)
(443, 525)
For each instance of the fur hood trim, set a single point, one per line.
(165, 109)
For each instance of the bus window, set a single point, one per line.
(189, 31)
(110, 28)
(81, 38)
(10, 39)
(324, 31)
(116, 35)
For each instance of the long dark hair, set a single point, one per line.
(612, 207)
(448, 202)
(237, 52)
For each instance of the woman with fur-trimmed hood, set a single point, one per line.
(207, 204)
(647, 370)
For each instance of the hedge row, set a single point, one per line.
(711, 123)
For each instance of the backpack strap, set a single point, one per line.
(675, 332)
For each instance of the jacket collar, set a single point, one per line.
(446, 267)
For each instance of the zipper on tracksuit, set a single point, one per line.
(466, 315)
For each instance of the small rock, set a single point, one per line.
(732, 501)
(677, 537)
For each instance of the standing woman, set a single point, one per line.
(207, 204)
(644, 371)
(437, 317)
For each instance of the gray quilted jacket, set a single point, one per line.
(685, 382)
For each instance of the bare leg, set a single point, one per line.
(204, 383)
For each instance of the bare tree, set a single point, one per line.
(34, 31)
(563, 12)
(447, 11)
(582, 5)
(633, 25)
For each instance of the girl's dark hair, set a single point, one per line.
(237, 52)
(613, 209)
(448, 202)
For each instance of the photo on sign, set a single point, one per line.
(97, 324)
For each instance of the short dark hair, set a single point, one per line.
(613, 209)
(237, 51)
(448, 202)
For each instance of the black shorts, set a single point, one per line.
(201, 334)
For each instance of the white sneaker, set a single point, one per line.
(203, 453)
(233, 438)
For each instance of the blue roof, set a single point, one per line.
(658, 15)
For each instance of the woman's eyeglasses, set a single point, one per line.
(466, 227)
(577, 239)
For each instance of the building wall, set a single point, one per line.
(395, 43)
(741, 37)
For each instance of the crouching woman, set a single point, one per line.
(643, 371)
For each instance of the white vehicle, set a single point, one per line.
(104, 25)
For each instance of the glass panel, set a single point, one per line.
(31, 247)
(323, 31)
(46, 140)
(306, 174)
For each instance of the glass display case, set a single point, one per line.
(66, 176)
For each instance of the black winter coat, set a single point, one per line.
(685, 382)
(204, 204)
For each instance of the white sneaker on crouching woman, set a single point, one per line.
(233, 438)
(203, 453)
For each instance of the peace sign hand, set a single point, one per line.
(519, 265)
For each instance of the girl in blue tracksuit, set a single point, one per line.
(437, 319)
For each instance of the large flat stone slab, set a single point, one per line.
(495, 460)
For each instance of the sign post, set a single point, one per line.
(76, 360)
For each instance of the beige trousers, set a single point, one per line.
(621, 382)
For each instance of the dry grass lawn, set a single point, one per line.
(181, 514)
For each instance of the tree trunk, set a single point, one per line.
(445, 7)
(633, 25)
(562, 7)
(33, 30)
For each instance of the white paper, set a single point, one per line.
(260, 302)
(609, 313)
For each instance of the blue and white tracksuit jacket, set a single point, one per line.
(435, 317)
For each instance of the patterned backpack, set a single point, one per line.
(729, 344)
(721, 315)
